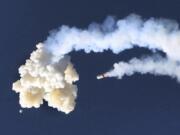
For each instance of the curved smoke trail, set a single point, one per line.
(49, 75)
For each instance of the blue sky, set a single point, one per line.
(137, 105)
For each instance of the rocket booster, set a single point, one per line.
(101, 76)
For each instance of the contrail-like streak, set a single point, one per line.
(153, 65)
(154, 34)
(49, 75)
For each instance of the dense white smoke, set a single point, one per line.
(42, 79)
(49, 74)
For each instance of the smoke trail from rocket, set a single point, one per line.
(154, 34)
(49, 75)
(155, 65)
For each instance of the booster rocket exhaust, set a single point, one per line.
(49, 75)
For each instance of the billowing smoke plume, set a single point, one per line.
(43, 79)
(49, 75)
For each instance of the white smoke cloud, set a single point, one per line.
(49, 75)
(43, 80)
